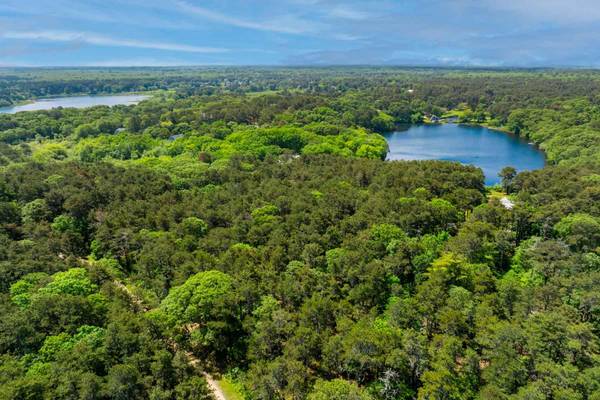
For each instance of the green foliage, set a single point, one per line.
(34, 211)
(64, 223)
(86, 130)
(74, 282)
(337, 389)
(193, 388)
(581, 231)
(507, 174)
(203, 297)
(194, 226)
(21, 290)
(265, 211)
(245, 219)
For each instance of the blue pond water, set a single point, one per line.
(485, 148)
(75, 101)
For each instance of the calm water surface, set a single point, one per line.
(485, 148)
(76, 102)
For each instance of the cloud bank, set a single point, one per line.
(520, 33)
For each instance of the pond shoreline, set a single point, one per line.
(470, 144)
(538, 146)
(71, 102)
(58, 96)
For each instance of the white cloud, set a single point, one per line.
(348, 13)
(284, 24)
(557, 11)
(101, 40)
(148, 62)
(347, 37)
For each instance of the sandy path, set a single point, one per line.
(213, 385)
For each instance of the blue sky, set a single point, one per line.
(497, 33)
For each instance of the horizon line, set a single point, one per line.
(309, 66)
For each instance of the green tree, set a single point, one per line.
(75, 281)
(581, 231)
(194, 226)
(123, 382)
(194, 388)
(35, 211)
(86, 130)
(202, 297)
(205, 306)
(507, 174)
(338, 389)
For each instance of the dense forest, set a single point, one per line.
(242, 222)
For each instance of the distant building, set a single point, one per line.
(175, 137)
(505, 201)
(435, 118)
(119, 130)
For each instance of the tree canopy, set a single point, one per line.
(244, 221)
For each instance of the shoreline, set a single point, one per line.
(58, 96)
(400, 128)
(492, 128)
(10, 109)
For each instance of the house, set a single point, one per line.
(434, 118)
(507, 203)
(119, 130)
(175, 137)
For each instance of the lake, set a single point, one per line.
(487, 149)
(76, 102)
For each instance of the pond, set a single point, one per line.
(485, 148)
(75, 101)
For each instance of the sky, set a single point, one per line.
(481, 33)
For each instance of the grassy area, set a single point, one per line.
(262, 93)
(454, 113)
(230, 389)
(267, 92)
(494, 193)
